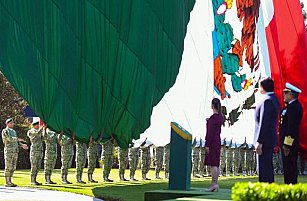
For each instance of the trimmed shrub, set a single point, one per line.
(265, 191)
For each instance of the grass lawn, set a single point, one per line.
(126, 191)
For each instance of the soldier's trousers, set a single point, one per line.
(159, 165)
(49, 163)
(36, 159)
(91, 157)
(133, 165)
(122, 165)
(166, 166)
(10, 164)
(107, 165)
(66, 163)
(80, 163)
(195, 164)
(145, 166)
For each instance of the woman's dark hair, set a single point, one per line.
(267, 84)
(217, 105)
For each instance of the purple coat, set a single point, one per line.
(213, 139)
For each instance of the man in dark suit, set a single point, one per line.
(290, 120)
(265, 130)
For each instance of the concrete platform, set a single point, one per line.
(193, 194)
(27, 194)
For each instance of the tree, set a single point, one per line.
(11, 103)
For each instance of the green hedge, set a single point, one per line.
(273, 192)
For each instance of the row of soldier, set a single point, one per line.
(236, 159)
(233, 157)
(84, 151)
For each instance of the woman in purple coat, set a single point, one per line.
(213, 142)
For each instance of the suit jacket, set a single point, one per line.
(266, 121)
(290, 119)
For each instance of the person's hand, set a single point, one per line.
(21, 140)
(207, 150)
(24, 146)
(259, 149)
(286, 150)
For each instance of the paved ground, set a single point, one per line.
(27, 194)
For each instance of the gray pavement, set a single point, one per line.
(27, 194)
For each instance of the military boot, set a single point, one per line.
(144, 177)
(8, 182)
(132, 177)
(64, 179)
(33, 180)
(48, 179)
(157, 176)
(79, 179)
(122, 177)
(106, 179)
(90, 179)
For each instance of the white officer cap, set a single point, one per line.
(35, 122)
(8, 120)
(292, 88)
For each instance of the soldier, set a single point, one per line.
(123, 160)
(11, 143)
(166, 159)
(223, 157)
(159, 160)
(81, 150)
(107, 158)
(228, 158)
(67, 153)
(251, 160)
(202, 153)
(50, 138)
(134, 153)
(145, 159)
(244, 156)
(195, 158)
(276, 160)
(92, 158)
(236, 160)
(36, 150)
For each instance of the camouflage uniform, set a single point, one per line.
(92, 158)
(36, 152)
(10, 141)
(107, 158)
(236, 160)
(50, 138)
(67, 153)
(228, 159)
(276, 161)
(251, 160)
(159, 160)
(201, 167)
(145, 161)
(81, 150)
(195, 163)
(223, 158)
(166, 160)
(244, 157)
(123, 161)
(134, 154)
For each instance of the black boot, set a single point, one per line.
(79, 179)
(48, 179)
(90, 179)
(33, 181)
(64, 179)
(8, 182)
